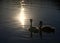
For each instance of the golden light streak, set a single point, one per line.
(22, 16)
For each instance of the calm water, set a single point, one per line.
(12, 21)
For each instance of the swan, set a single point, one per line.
(48, 29)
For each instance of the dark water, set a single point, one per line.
(11, 30)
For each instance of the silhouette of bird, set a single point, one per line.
(48, 29)
(34, 30)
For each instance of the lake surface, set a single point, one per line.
(14, 21)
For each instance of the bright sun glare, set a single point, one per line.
(22, 16)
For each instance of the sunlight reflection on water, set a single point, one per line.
(13, 19)
(22, 16)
